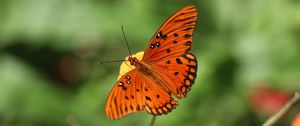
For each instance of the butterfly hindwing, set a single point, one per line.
(135, 92)
(157, 100)
(181, 71)
(174, 37)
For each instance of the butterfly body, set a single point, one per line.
(147, 71)
(165, 69)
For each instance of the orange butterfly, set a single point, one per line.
(164, 69)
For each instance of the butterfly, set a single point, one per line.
(165, 69)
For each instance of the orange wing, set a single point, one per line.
(174, 37)
(168, 50)
(180, 72)
(134, 92)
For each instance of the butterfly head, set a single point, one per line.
(133, 61)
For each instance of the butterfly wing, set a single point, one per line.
(174, 37)
(180, 72)
(135, 92)
(157, 100)
(119, 102)
(168, 50)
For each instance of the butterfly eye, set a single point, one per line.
(157, 44)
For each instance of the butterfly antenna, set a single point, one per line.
(102, 62)
(126, 40)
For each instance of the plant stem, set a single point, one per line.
(153, 120)
(283, 110)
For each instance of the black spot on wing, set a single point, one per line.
(152, 46)
(188, 43)
(124, 88)
(175, 34)
(176, 73)
(131, 107)
(188, 29)
(157, 44)
(168, 62)
(187, 36)
(168, 50)
(164, 37)
(148, 98)
(178, 61)
(157, 96)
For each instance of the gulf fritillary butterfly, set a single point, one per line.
(166, 68)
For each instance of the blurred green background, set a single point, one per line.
(49, 50)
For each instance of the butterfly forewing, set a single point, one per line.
(168, 50)
(124, 98)
(174, 37)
